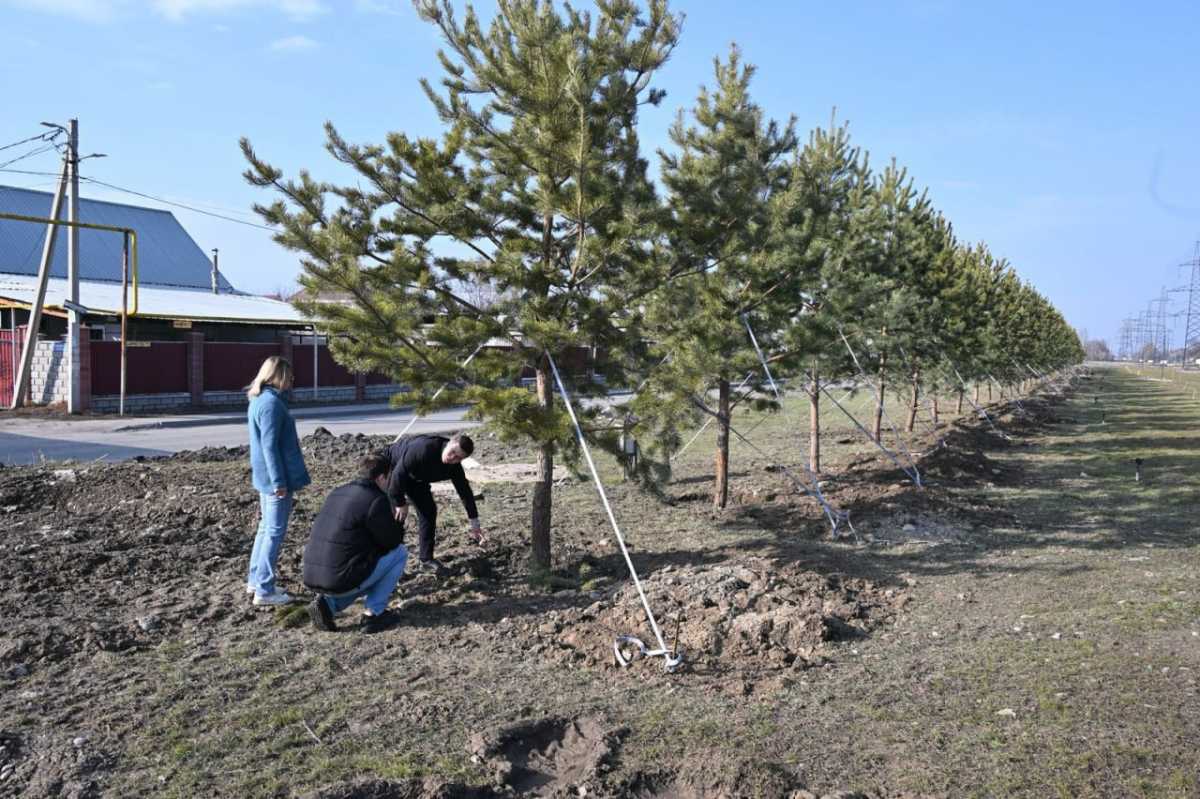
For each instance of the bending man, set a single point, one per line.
(356, 550)
(417, 462)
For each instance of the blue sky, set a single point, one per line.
(1063, 136)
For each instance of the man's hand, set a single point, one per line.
(401, 513)
(281, 493)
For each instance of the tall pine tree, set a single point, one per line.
(537, 188)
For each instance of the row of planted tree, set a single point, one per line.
(758, 252)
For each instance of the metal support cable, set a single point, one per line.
(815, 491)
(883, 408)
(436, 394)
(707, 422)
(672, 659)
(913, 474)
(834, 516)
(975, 405)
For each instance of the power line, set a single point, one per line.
(145, 196)
(177, 204)
(39, 137)
(30, 172)
(36, 151)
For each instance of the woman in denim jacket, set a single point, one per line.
(277, 465)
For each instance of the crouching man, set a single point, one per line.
(356, 549)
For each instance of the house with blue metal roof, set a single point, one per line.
(192, 337)
(167, 255)
(176, 281)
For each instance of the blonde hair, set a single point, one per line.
(275, 371)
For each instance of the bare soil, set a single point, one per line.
(1022, 625)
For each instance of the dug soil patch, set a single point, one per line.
(735, 623)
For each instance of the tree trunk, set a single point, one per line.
(814, 422)
(878, 431)
(976, 393)
(936, 408)
(913, 405)
(961, 391)
(989, 391)
(540, 528)
(721, 489)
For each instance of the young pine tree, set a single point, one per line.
(820, 238)
(537, 188)
(727, 167)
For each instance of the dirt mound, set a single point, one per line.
(956, 464)
(549, 757)
(742, 616)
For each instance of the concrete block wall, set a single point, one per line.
(48, 376)
(326, 394)
(381, 392)
(141, 403)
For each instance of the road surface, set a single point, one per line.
(26, 440)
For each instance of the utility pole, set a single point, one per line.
(39, 299)
(73, 321)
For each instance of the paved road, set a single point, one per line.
(31, 440)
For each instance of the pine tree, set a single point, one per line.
(720, 182)
(887, 277)
(537, 188)
(823, 243)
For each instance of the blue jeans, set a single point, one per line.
(377, 589)
(272, 527)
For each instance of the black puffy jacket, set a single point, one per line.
(353, 530)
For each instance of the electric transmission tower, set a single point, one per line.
(1191, 329)
(1126, 350)
(1159, 316)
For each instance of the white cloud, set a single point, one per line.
(390, 7)
(293, 44)
(86, 10)
(160, 86)
(296, 9)
(174, 10)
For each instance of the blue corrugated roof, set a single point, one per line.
(167, 255)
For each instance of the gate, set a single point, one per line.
(8, 367)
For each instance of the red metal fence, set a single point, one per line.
(329, 372)
(232, 367)
(158, 367)
(8, 367)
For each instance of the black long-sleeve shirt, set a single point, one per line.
(419, 460)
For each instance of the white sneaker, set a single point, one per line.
(249, 588)
(271, 600)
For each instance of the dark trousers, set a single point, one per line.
(421, 498)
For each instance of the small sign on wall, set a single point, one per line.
(182, 324)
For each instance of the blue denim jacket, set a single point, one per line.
(275, 457)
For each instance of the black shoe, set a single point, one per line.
(372, 624)
(432, 566)
(321, 615)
